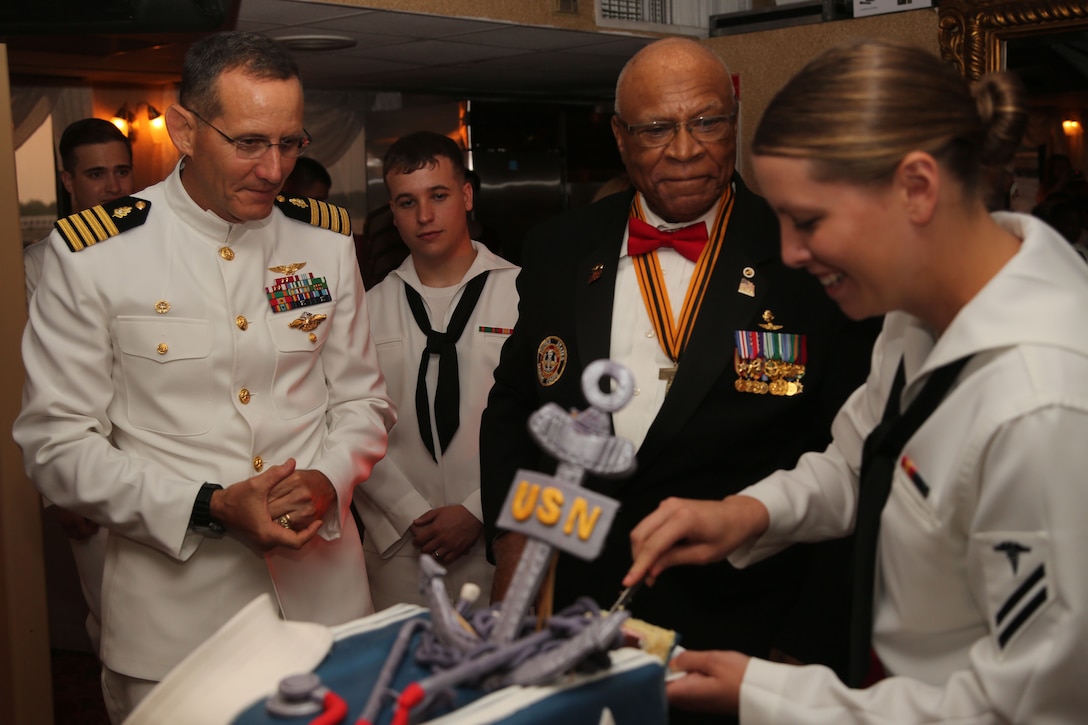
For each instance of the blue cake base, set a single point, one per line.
(632, 691)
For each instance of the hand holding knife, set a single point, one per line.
(626, 596)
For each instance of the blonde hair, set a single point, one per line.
(856, 110)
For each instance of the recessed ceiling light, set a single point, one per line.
(317, 42)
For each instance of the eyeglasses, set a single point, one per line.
(253, 147)
(661, 133)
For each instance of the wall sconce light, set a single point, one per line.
(1071, 127)
(129, 122)
(123, 119)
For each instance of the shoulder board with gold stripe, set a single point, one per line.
(313, 211)
(97, 224)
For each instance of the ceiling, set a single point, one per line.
(388, 51)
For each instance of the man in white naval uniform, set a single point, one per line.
(424, 497)
(201, 379)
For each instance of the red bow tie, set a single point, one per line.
(643, 238)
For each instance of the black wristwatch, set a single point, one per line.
(201, 520)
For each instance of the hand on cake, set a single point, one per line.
(711, 683)
(684, 531)
(447, 533)
(245, 510)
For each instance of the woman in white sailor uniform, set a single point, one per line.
(960, 464)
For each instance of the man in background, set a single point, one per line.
(308, 179)
(201, 380)
(449, 306)
(96, 168)
(739, 361)
(96, 160)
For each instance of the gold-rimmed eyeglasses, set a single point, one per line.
(661, 133)
(254, 147)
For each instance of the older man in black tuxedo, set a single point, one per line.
(739, 361)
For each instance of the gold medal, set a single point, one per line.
(768, 362)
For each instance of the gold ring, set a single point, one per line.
(285, 521)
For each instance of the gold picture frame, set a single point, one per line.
(971, 33)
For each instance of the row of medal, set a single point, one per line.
(769, 362)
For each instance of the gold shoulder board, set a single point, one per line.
(319, 213)
(99, 223)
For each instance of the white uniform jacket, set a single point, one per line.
(408, 483)
(33, 258)
(155, 363)
(981, 602)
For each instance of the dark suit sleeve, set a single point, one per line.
(555, 297)
(505, 443)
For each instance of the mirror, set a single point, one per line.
(972, 33)
(1046, 43)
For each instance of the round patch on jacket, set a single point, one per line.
(551, 360)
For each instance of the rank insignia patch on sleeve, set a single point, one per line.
(318, 213)
(1019, 588)
(97, 224)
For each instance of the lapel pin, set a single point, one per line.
(746, 286)
(595, 273)
(287, 268)
(768, 321)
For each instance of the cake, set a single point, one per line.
(448, 663)
(630, 690)
(229, 679)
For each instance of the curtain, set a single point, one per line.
(73, 104)
(334, 119)
(30, 106)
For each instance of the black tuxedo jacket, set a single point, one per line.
(707, 441)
